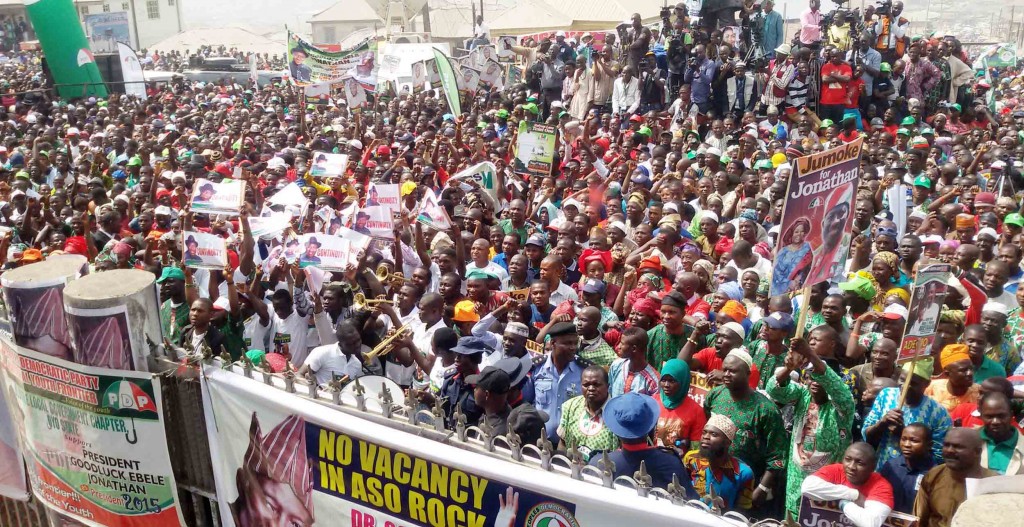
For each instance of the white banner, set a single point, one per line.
(131, 71)
(204, 251)
(324, 251)
(94, 439)
(218, 198)
(334, 468)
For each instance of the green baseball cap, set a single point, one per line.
(171, 273)
(903, 131)
(764, 163)
(859, 286)
(926, 130)
(957, 106)
(922, 181)
(645, 130)
(135, 161)
(502, 113)
(885, 67)
(1014, 219)
(826, 123)
(532, 108)
(908, 121)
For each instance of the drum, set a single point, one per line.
(374, 386)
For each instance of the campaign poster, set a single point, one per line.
(328, 164)
(269, 226)
(514, 74)
(387, 196)
(13, 484)
(328, 468)
(355, 93)
(419, 76)
(432, 214)
(359, 241)
(817, 512)
(469, 79)
(101, 337)
(817, 219)
(308, 64)
(379, 221)
(504, 48)
(319, 93)
(484, 175)
(93, 439)
(926, 298)
(218, 198)
(330, 253)
(699, 387)
(491, 75)
(535, 149)
(433, 74)
(204, 251)
(389, 66)
(105, 30)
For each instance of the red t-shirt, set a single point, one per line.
(854, 91)
(685, 422)
(699, 307)
(964, 415)
(876, 488)
(710, 361)
(834, 92)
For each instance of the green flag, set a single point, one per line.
(67, 51)
(448, 81)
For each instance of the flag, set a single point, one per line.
(449, 82)
(432, 214)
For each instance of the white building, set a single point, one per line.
(149, 21)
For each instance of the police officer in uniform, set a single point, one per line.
(557, 376)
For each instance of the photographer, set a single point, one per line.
(869, 59)
(840, 31)
(679, 43)
(810, 26)
(891, 30)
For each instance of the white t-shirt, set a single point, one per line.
(256, 336)
(328, 362)
(493, 268)
(290, 336)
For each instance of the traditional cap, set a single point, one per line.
(953, 353)
(631, 415)
(465, 311)
(742, 354)
(964, 221)
(995, 307)
(281, 456)
(922, 368)
(723, 424)
(733, 327)
(895, 312)
(859, 286)
(784, 48)
(988, 231)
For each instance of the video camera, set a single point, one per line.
(884, 7)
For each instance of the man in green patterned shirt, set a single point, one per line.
(761, 440)
(582, 423)
(173, 310)
(770, 353)
(666, 339)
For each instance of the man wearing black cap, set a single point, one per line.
(490, 391)
(455, 390)
(309, 257)
(559, 377)
(632, 417)
(299, 71)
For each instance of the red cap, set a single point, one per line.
(162, 193)
(223, 169)
(636, 118)
(383, 150)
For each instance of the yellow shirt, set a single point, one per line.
(939, 390)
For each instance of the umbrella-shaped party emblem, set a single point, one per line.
(126, 395)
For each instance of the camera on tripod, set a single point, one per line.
(884, 7)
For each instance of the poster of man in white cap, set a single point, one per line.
(504, 48)
(354, 93)
(469, 79)
(218, 198)
(491, 75)
(820, 197)
(419, 76)
(328, 164)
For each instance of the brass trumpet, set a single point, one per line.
(395, 279)
(361, 302)
(387, 345)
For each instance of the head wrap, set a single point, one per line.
(708, 268)
(709, 214)
(953, 353)
(953, 316)
(732, 290)
(921, 367)
(734, 310)
(648, 306)
(680, 371)
(891, 260)
(749, 214)
(723, 424)
(281, 456)
(763, 287)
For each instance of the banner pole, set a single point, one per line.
(805, 300)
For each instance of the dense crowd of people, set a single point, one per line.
(590, 299)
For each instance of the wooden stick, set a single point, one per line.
(805, 300)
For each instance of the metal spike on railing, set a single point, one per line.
(360, 395)
(676, 492)
(515, 444)
(575, 462)
(643, 480)
(546, 449)
(267, 377)
(289, 380)
(438, 414)
(410, 407)
(246, 366)
(607, 471)
(386, 401)
(334, 386)
(460, 424)
(314, 389)
(489, 434)
(225, 357)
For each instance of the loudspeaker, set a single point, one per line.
(109, 65)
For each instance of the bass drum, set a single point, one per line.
(374, 387)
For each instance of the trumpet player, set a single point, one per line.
(346, 357)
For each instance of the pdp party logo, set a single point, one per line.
(550, 514)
